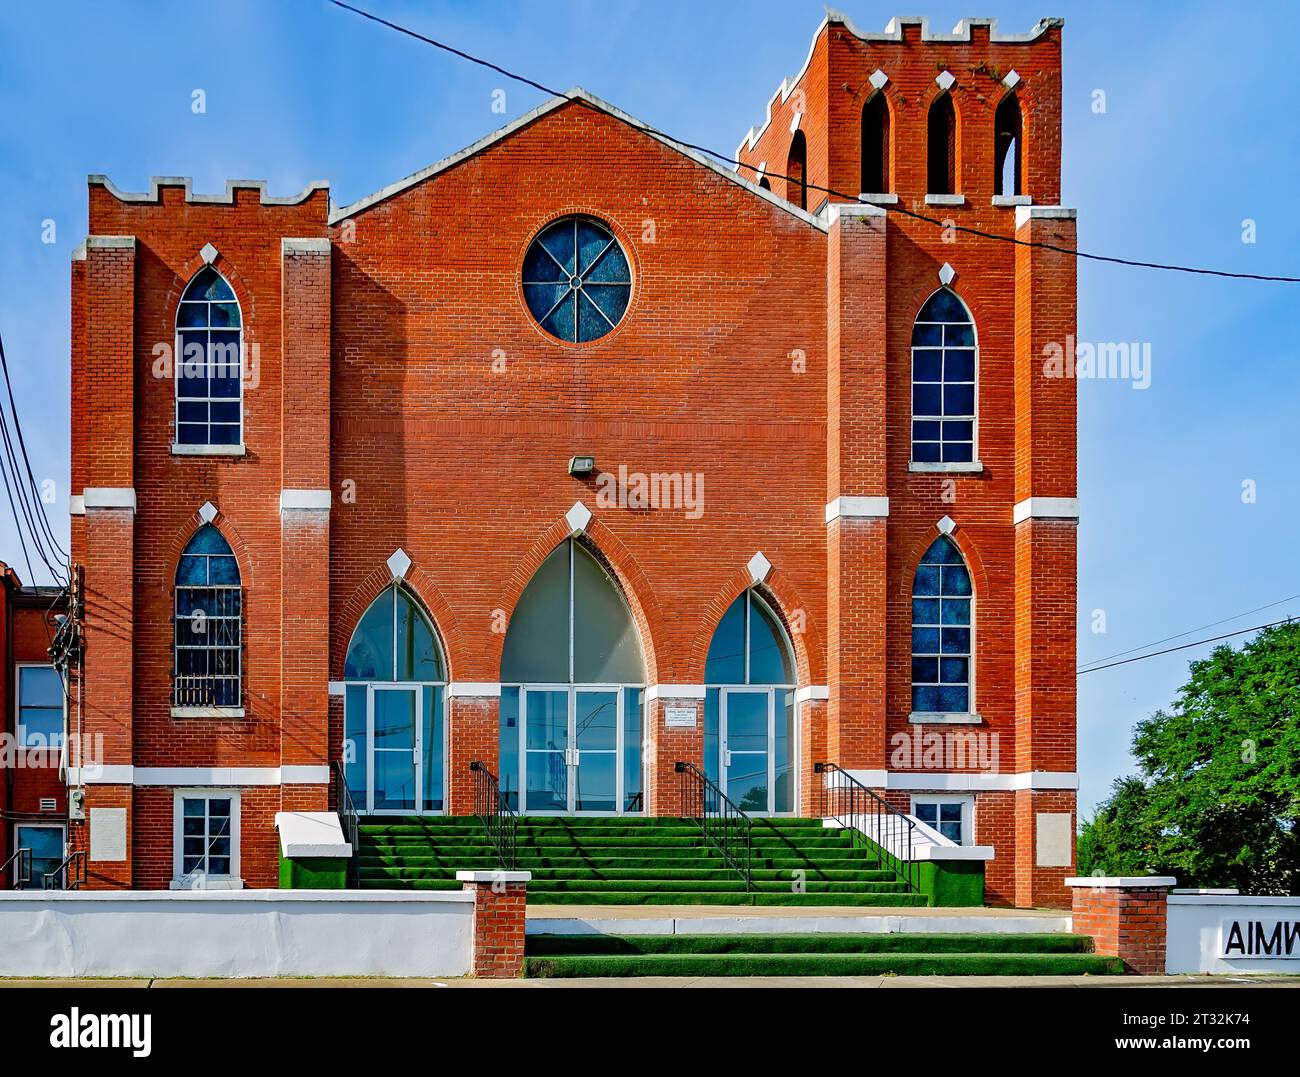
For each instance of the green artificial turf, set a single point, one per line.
(628, 945)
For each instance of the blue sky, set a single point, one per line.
(1198, 135)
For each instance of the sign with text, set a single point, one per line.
(679, 717)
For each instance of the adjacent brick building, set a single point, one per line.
(739, 352)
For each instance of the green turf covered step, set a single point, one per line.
(820, 869)
(408, 870)
(825, 964)
(738, 897)
(827, 943)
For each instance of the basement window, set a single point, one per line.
(951, 816)
(205, 840)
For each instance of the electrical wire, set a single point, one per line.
(1185, 646)
(949, 225)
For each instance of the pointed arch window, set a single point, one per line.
(875, 145)
(209, 364)
(208, 626)
(942, 620)
(796, 171)
(944, 382)
(395, 703)
(1007, 149)
(942, 147)
(573, 679)
(750, 729)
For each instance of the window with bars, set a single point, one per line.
(209, 621)
(209, 363)
(941, 631)
(943, 382)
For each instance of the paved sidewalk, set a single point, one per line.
(1255, 982)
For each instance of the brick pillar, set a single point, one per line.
(304, 513)
(1045, 519)
(500, 900)
(103, 475)
(472, 734)
(1126, 917)
(857, 488)
(667, 745)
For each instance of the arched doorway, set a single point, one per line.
(750, 710)
(395, 707)
(572, 691)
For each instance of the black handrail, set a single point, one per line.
(858, 808)
(349, 819)
(725, 826)
(70, 875)
(499, 819)
(22, 858)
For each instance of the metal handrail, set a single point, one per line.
(350, 820)
(858, 808)
(499, 819)
(23, 858)
(725, 826)
(70, 875)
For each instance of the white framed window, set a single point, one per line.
(40, 700)
(208, 621)
(209, 367)
(952, 815)
(205, 840)
(945, 384)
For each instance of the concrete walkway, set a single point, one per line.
(1191, 982)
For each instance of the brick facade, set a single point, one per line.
(402, 396)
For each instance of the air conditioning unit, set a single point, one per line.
(77, 804)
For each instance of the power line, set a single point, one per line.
(1185, 646)
(1200, 628)
(729, 160)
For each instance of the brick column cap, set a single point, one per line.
(481, 876)
(1124, 882)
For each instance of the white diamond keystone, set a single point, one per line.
(399, 563)
(578, 518)
(759, 566)
(945, 79)
(208, 254)
(946, 274)
(878, 79)
(947, 525)
(208, 512)
(1012, 80)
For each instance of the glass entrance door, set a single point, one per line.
(396, 765)
(746, 748)
(546, 754)
(596, 743)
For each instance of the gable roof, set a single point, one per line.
(577, 94)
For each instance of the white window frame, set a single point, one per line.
(181, 881)
(967, 802)
(180, 448)
(60, 827)
(971, 715)
(973, 464)
(18, 707)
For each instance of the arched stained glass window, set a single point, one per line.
(941, 631)
(208, 624)
(943, 381)
(394, 732)
(209, 339)
(749, 646)
(577, 281)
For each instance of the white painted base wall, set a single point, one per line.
(1200, 927)
(245, 933)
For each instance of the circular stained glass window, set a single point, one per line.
(577, 281)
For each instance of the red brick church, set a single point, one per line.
(579, 456)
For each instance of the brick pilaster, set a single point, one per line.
(500, 915)
(1126, 917)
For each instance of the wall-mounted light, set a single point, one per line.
(581, 465)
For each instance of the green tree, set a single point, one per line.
(1217, 799)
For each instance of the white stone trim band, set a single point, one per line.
(1024, 214)
(674, 691)
(1122, 882)
(969, 782)
(311, 500)
(228, 199)
(474, 689)
(1045, 508)
(811, 692)
(857, 508)
(296, 245)
(108, 497)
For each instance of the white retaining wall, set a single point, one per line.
(244, 933)
(1225, 933)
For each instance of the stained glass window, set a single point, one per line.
(208, 621)
(209, 338)
(577, 281)
(943, 382)
(941, 631)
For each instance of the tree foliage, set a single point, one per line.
(1217, 799)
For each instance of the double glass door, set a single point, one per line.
(571, 742)
(404, 764)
